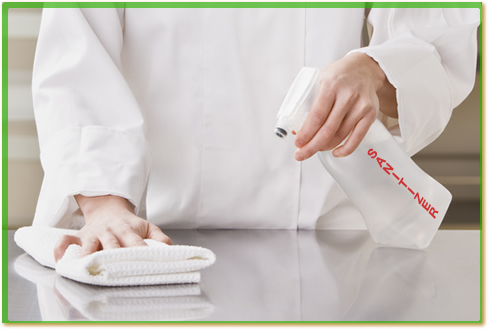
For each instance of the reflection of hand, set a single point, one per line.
(110, 223)
(349, 98)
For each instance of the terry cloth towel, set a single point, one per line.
(61, 299)
(158, 263)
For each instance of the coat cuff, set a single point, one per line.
(91, 161)
(414, 68)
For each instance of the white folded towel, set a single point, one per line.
(61, 299)
(158, 263)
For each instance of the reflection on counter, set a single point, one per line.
(354, 283)
(62, 299)
(316, 276)
(397, 280)
(278, 275)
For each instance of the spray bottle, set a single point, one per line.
(401, 205)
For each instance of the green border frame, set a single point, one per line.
(4, 165)
(8, 5)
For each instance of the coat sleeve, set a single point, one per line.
(429, 56)
(90, 127)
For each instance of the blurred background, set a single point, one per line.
(453, 159)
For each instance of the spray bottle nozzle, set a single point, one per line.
(298, 102)
(280, 132)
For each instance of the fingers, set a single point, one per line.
(89, 244)
(105, 239)
(128, 237)
(351, 112)
(125, 237)
(327, 135)
(317, 116)
(346, 105)
(155, 233)
(357, 135)
(104, 233)
(62, 244)
(108, 239)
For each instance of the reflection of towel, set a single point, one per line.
(29, 269)
(157, 263)
(65, 300)
(156, 303)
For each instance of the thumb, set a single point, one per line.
(62, 244)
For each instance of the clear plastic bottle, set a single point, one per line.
(401, 205)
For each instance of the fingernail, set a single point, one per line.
(299, 157)
(298, 144)
(337, 154)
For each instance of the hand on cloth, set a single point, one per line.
(110, 223)
(154, 263)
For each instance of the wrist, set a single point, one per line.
(384, 89)
(90, 205)
(375, 72)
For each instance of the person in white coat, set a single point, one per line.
(168, 114)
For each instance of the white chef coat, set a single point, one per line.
(174, 109)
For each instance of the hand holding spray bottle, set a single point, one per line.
(401, 205)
